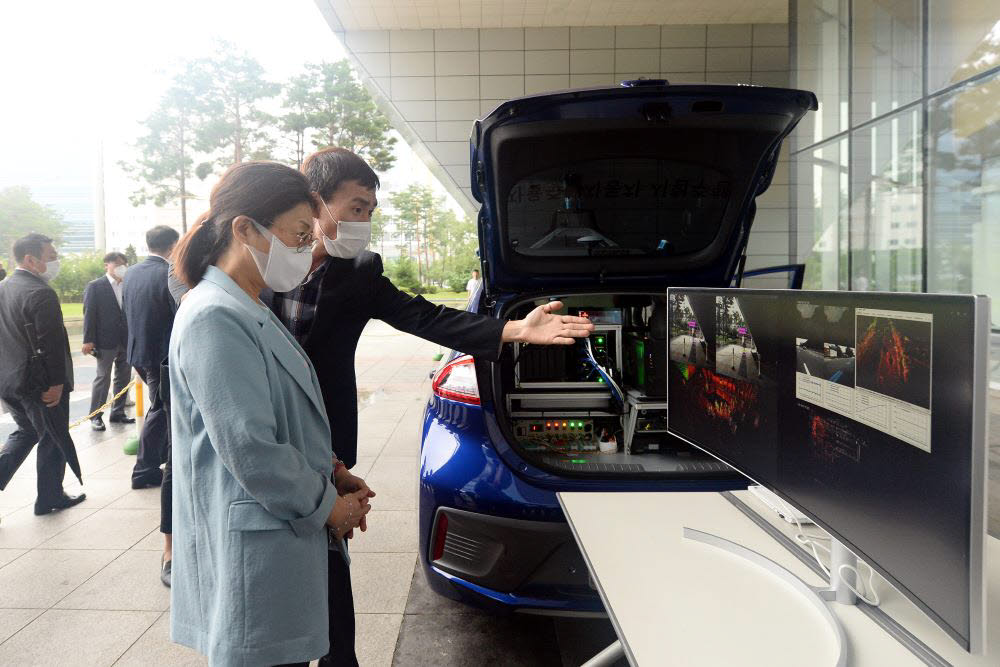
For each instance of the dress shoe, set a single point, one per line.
(97, 423)
(165, 570)
(121, 419)
(59, 504)
(147, 482)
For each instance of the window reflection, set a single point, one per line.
(822, 216)
(964, 191)
(964, 38)
(822, 60)
(887, 71)
(887, 209)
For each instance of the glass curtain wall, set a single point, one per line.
(897, 177)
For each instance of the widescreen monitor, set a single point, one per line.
(866, 411)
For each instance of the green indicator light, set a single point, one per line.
(578, 460)
(600, 340)
(601, 380)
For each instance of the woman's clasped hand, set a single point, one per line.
(349, 513)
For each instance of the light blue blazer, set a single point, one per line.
(251, 474)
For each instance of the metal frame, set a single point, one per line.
(616, 328)
(927, 95)
(980, 466)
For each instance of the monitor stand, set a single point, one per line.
(837, 591)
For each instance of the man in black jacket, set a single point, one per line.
(104, 336)
(149, 312)
(26, 298)
(346, 288)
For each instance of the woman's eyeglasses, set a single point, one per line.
(304, 241)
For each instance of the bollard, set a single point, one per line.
(131, 447)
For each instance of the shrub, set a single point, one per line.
(75, 271)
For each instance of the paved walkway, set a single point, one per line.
(80, 587)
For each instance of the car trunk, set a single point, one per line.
(597, 412)
(602, 198)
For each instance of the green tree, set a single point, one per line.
(164, 161)
(402, 271)
(296, 102)
(454, 242)
(416, 208)
(233, 86)
(345, 115)
(379, 221)
(74, 274)
(130, 255)
(20, 215)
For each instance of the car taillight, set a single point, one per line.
(457, 381)
(439, 536)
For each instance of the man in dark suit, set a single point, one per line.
(346, 288)
(104, 336)
(42, 416)
(149, 312)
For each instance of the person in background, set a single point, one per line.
(41, 417)
(475, 282)
(3, 271)
(344, 290)
(149, 314)
(104, 336)
(255, 485)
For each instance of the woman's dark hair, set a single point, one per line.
(329, 168)
(259, 190)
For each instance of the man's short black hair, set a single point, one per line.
(33, 244)
(328, 169)
(161, 238)
(115, 256)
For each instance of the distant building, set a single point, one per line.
(75, 203)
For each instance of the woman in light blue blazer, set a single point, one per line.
(252, 464)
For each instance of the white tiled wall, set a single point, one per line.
(434, 83)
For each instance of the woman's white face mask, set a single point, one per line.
(282, 268)
(352, 237)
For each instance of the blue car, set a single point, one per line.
(600, 198)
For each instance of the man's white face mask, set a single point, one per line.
(352, 237)
(51, 270)
(282, 268)
(119, 271)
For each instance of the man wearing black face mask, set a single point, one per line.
(344, 289)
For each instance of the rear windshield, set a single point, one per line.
(636, 206)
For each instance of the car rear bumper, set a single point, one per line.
(508, 564)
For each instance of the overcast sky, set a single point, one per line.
(74, 71)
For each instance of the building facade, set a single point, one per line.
(897, 176)
(891, 185)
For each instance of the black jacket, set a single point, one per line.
(24, 297)
(103, 319)
(149, 312)
(354, 291)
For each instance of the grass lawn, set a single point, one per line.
(450, 298)
(72, 310)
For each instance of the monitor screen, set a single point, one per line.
(864, 410)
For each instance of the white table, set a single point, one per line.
(674, 601)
